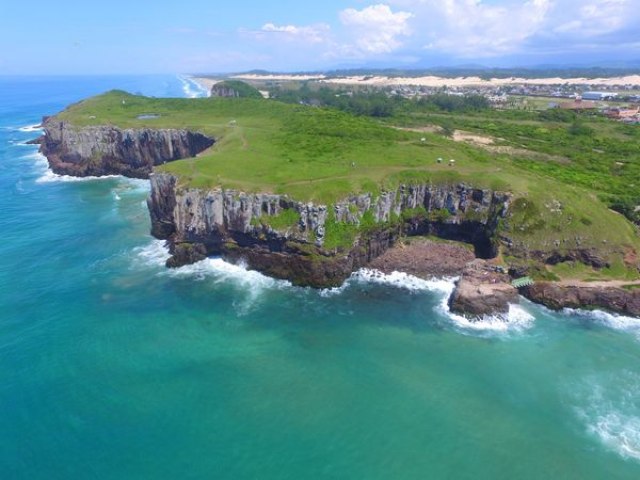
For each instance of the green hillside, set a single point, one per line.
(323, 155)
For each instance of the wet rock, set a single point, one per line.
(599, 295)
(186, 254)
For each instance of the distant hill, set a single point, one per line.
(234, 89)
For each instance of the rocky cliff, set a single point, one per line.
(295, 240)
(589, 295)
(108, 150)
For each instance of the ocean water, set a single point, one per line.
(113, 367)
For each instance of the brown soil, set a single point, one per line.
(424, 258)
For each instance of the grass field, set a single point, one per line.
(323, 155)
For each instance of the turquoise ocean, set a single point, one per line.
(113, 367)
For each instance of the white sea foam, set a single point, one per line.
(156, 254)
(619, 432)
(31, 128)
(192, 89)
(249, 283)
(610, 320)
(612, 411)
(49, 177)
(404, 280)
(516, 320)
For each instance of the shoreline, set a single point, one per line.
(205, 83)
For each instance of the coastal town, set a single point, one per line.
(617, 99)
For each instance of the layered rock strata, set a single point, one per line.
(240, 226)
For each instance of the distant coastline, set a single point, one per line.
(429, 80)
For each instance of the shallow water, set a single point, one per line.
(114, 367)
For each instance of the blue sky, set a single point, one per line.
(117, 36)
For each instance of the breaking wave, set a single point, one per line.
(515, 321)
(31, 128)
(249, 284)
(395, 279)
(156, 254)
(49, 177)
(610, 320)
(217, 270)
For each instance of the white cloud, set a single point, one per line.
(317, 33)
(376, 28)
(472, 28)
(598, 17)
(477, 28)
(461, 30)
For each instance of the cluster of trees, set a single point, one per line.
(452, 103)
(378, 103)
(371, 104)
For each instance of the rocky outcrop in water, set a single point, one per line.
(257, 228)
(587, 295)
(108, 150)
(481, 290)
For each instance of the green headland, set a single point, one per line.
(565, 173)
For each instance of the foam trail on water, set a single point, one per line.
(612, 411)
(192, 89)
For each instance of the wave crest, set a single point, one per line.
(614, 321)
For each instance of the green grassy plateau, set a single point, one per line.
(322, 155)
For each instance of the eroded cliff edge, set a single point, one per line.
(317, 245)
(109, 150)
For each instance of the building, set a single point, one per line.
(598, 96)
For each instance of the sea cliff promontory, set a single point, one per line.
(311, 195)
(109, 150)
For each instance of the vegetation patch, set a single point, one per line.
(338, 235)
(287, 218)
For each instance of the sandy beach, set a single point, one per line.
(205, 83)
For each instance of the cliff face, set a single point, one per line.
(237, 225)
(108, 150)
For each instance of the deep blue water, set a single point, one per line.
(113, 367)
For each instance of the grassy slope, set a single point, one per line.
(323, 155)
